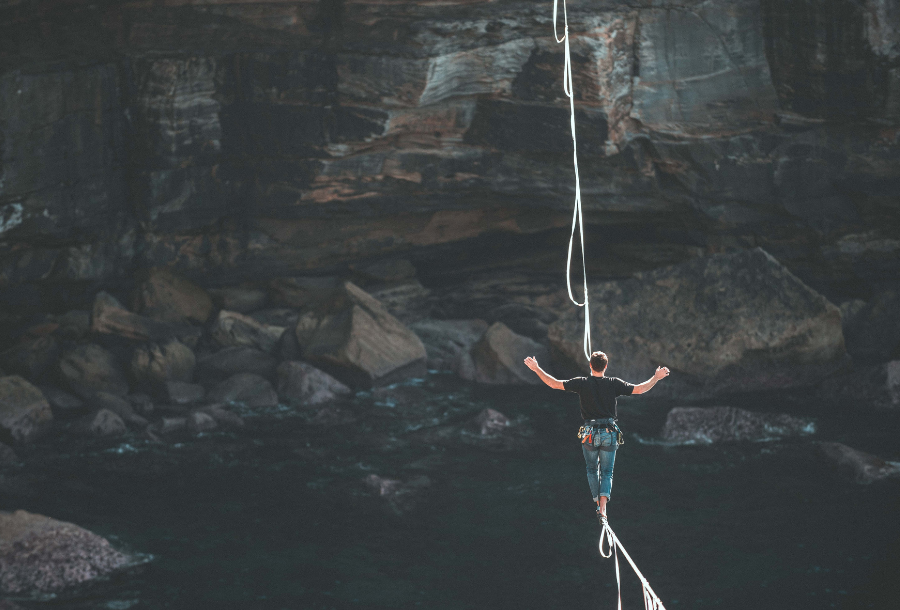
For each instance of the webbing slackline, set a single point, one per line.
(651, 601)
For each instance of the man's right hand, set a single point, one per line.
(531, 363)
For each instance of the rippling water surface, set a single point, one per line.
(277, 515)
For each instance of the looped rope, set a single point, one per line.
(577, 219)
(651, 601)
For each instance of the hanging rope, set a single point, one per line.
(651, 601)
(577, 220)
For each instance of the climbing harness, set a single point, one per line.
(588, 433)
(577, 219)
(651, 601)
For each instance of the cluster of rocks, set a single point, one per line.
(172, 361)
(707, 425)
(689, 425)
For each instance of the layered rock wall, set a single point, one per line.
(238, 140)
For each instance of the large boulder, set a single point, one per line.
(110, 317)
(223, 417)
(32, 357)
(448, 343)
(250, 389)
(61, 402)
(167, 296)
(181, 393)
(302, 292)
(41, 555)
(75, 324)
(103, 423)
(242, 299)
(355, 339)
(119, 406)
(155, 364)
(862, 467)
(721, 323)
(232, 360)
(719, 424)
(233, 329)
(89, 368)
(871, 329)
(498, 357)
(304, 384)
(869, 386)
(24, 412)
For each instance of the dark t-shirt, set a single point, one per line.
(608, 388)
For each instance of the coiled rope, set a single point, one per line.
(577, 220)
(651, 601)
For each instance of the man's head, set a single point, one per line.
(599, 360)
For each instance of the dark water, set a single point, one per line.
(277, 516)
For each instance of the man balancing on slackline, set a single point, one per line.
(600, 435)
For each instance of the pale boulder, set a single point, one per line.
(500, 354)
(104, 424)
(247, 388)
(357, 341)
(702, 425)
(306, 385)
(722, 323)
(40, 555)
(862, 467)
(24, 412)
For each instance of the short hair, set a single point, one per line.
(599, 360)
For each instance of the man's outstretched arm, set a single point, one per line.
(556, 384)
(645, 387)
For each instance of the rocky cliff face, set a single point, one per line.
(241, 140)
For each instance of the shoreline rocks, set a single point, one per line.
(88, 368)
(448, 344)
(233, 329)
(863, 468)
(306, 385)
(704, 425)
(248, 388)
(42, 555)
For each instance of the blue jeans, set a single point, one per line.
(600, 461)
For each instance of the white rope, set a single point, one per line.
(577, 219)
(651, 601)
